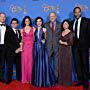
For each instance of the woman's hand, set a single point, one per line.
(44, 30)
(43, 41)
(61, 42)
(21, 46)
(17, 50)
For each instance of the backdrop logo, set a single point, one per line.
(47, 8)
(17, 9)
(83, 7)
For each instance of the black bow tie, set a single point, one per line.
(2, 25)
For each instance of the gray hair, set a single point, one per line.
(53, 12)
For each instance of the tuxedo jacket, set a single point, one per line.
(84, 35)
(12, 42)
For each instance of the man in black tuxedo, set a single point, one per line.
(81, 27)
(13, 40)
(3, 31)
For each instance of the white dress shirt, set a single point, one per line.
(14, 30)
(2, 30)
(78, 27)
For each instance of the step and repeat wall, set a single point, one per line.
(34, 8)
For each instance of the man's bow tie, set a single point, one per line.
(2, 25)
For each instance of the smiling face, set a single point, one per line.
(27, 22)
(65, 25)
(2, 18)
(39, 22)
(52, 17)
(77, 13)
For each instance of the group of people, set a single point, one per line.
(43, 54)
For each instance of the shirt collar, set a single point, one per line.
(14, 30)
(78, 18)
(53, 22)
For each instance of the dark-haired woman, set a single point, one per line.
(40, 67)
(65, 54)
(27, 49)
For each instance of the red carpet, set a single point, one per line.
(15, 85)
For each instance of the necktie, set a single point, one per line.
(76, 27)
(17, 33)
(52, 28)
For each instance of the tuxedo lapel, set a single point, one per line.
(81, 25)
(7, 28)
(82, 20)
(19, 35)
(13, 32)
(73, 25)
(15, 36)
(49, 26)
(56, 26)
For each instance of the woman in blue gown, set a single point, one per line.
(40, 66)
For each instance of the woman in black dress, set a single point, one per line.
(65, 54)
